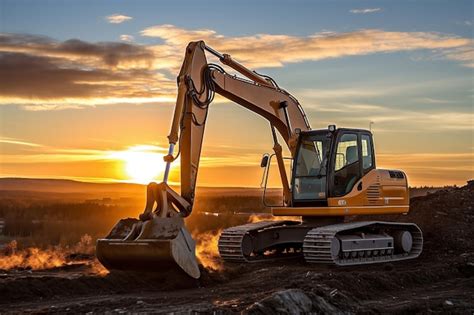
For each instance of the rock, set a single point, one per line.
(292, 301)
(284, 302)
(321, 306)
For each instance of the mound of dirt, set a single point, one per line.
(446, 218)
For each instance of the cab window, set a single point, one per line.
(367, 158)
(346, 164)
(347, 152)
(310, 168)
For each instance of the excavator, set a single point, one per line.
(333, 177)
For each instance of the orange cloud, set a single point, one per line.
(266, 50)
(18, 142)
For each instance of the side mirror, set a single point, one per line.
(264, 162)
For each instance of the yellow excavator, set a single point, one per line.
(333, 176)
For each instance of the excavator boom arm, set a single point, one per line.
(198, 81)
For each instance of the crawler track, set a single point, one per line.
(234, 241)
(317, 244)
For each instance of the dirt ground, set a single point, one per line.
(439, 281)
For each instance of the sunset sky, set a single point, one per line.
(87, 88)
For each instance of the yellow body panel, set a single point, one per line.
(375, 193)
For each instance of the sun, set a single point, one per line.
(144, 167)
(143, 164)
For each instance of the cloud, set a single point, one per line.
(24, 76)
(426, 121)
(431, 100)
(18, 142)
(112, 54)
(117, 18)
(365, 11)
(50, 154)
(83, 73)
(379, 90)
(363, 102)
(41, 73)
(22, 80)
(338, 93)
(464, 55)
(127, 38)
(430, 168)
(282, 49)
(389, 118)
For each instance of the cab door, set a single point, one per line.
(346, 166)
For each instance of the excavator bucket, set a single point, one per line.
(157, 242)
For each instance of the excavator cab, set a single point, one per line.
(328, 163)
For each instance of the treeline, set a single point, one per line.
(57, 211)
(60, 223)
(44, 223)
(232, 204)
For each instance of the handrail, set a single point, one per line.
(264, 181)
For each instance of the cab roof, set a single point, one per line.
(338, 130)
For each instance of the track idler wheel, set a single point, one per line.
(403, 241)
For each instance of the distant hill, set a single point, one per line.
(77, 187)
(64, 186)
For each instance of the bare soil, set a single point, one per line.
(439, 281)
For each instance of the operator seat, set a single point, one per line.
(351, 154)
